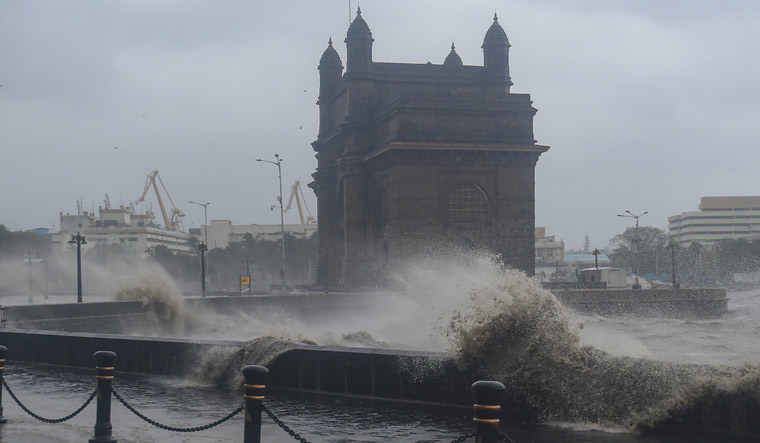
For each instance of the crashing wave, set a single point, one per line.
(515, 331)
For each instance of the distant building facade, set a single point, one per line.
(412, 155)
(548, 249)
(718, 218)
(40, 232)
(222, 232)
(134, 232)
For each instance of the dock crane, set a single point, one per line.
(297, 194)
(172, 222)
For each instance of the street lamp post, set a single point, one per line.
(205, 219)
(203, 247)
(45, 270)
(278, 163)
(79, 241)
(31, 300)
(630, 214)
(673, 246)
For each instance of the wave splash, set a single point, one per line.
(503, 324)
(161, 299)
(515, 331)
(222, 365)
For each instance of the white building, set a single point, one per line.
(718, 218)
(222, 232)
(550, 256)
(135, 232)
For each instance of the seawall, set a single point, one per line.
(388, 374)
(377, 373)
(124, 317)
(671, 303)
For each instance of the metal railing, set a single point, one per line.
(487, 407)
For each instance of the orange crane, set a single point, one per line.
(297, 194)
(172, 222)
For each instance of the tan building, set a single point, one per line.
(718, 218)
(548, 249)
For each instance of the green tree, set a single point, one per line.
(735, 255)
(264, 258)
(707, 266)
(160, 253)
(21, 244)
(111, 254)
(183, 267)
(645, 246)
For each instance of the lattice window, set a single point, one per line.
(467, 207)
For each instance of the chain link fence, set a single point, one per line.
(282, 425)
(501, 438)
(487, 425)
(175, 429)
(49, 420)
(299, 438)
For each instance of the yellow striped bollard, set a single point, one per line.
(3, 350)
(487, 405)
(255, 379)
(106, 360)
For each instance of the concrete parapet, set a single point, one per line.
(72, 310)
(415, 376)
(674, 303)
(127, 317)
(391, 374)
(144, 355)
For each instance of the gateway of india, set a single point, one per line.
(418, 158)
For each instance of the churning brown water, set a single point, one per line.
(525, 339)
(598, 379)
(55, 392)
(615, 375)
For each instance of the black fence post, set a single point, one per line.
(3, 350)
(487, 410)
(255, 377)
(106, 361)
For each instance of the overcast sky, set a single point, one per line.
(647, 105)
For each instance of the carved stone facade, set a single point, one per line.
(418, 155)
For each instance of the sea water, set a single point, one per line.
(54, 392)
(585, 378)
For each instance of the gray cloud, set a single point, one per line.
(647, 105)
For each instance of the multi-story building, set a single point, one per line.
(134, 232)
(548, 250)
(718, 218)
